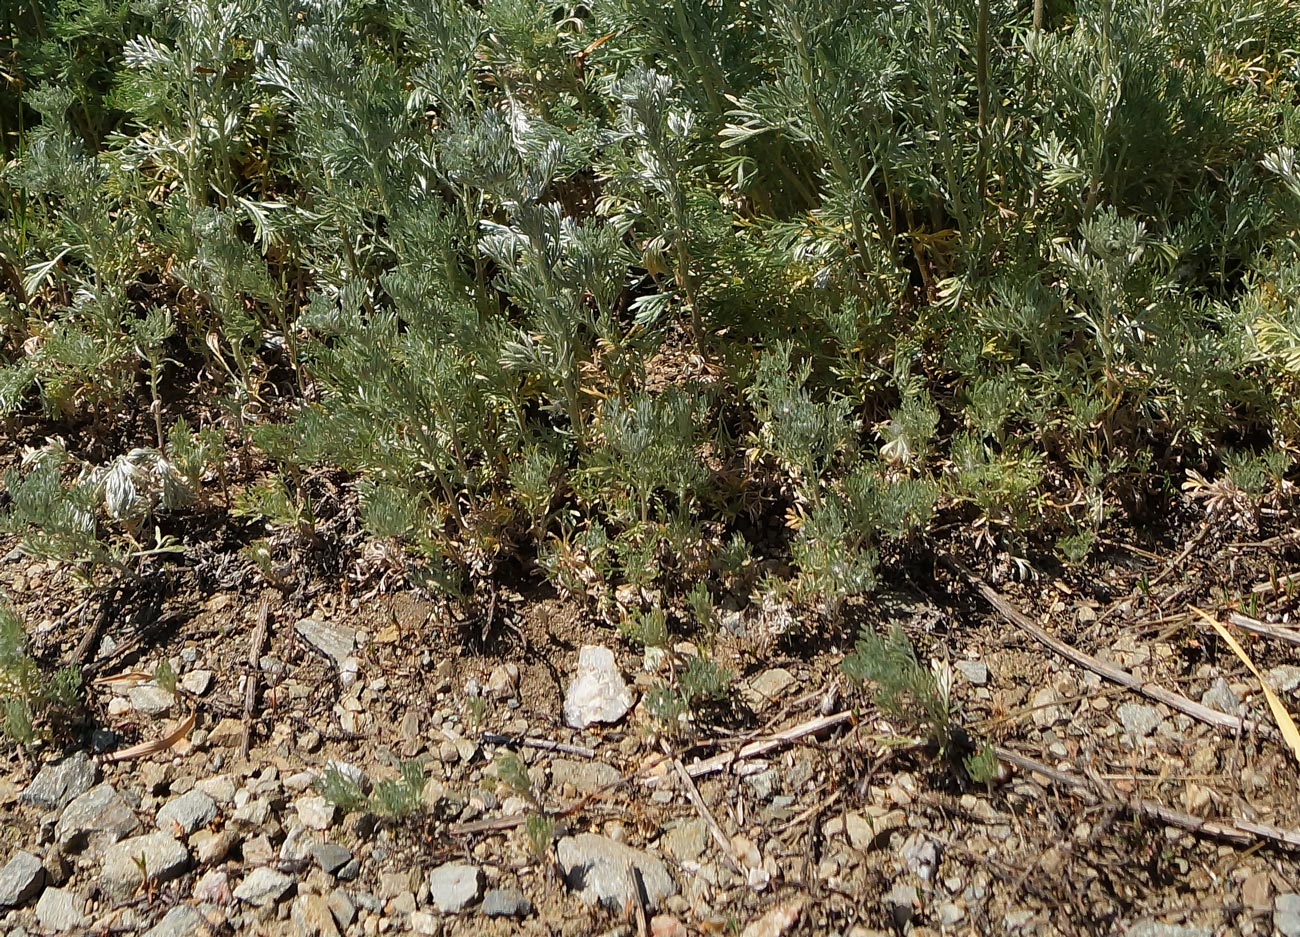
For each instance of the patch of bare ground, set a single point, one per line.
(792, 807)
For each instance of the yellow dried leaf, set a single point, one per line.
(1283, 718)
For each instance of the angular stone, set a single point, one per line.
(585, 776)
(98, 818)
(976, 672)
(315, 812)
(55, 786)
(263, 886)
(1220, 696)
(311, 915)
(506, 902)
(597, 868)
(196, 682)
(180, 921)
(164, 859)
(598, 692)
(187, 813)
(333, 640)
(61, 909)
(150, 699)
(331, 857)
(1138, 719)
(771, 684)
(1286, 914)
(454, 886)
(686, 841)
(20, 880)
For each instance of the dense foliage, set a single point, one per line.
(703, 296)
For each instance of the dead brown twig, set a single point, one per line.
(1111, 672)
(1234, 830)
(1264, 629)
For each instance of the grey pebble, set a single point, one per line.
(55, 786)
(506, 902)
(20, 879)
(597, 867)
(454, 886)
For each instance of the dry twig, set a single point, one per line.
(1235, 830)
(1111, 672)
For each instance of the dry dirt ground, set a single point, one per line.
(853, 830)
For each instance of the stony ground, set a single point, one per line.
(852, 830)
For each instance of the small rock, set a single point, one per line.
(100, 814)
(1046, 712)
(196, 682)
(1138, 719)
(341, 907)
(187, 813)
(20, 880)
(775, 922)
(1284, 678)
(220, 788)
(1220, 696)
(1286, 914)
(920, 855)
(686, 841)
(311, 914)
(950, 914)
(55, 786)
(598, 692)
(297, 845)
(331, 857)
(180, 921)
(665, 925)
(422, 922)
(454, 886)
(585, 776)
(263, 886)
(764, 783)
(900, 902)
(503, 682)
(976, 672)
(213, 888)
(150, 699)
(597, 867)
(164, 859)
(772, 684)
(1257, 892)
(315, 812)
(212, 847)
(334, 641)
(506, 902)
(60, 909)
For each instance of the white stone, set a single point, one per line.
(598, 692)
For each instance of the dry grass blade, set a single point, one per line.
(122, 681)
(145, 749)
(1283, 718)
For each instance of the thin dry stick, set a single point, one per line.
(252, 680)
(763, 746)
(546, 745)
(693, 793)
(1265, 629)
(1111, 672)
(1236, 830)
